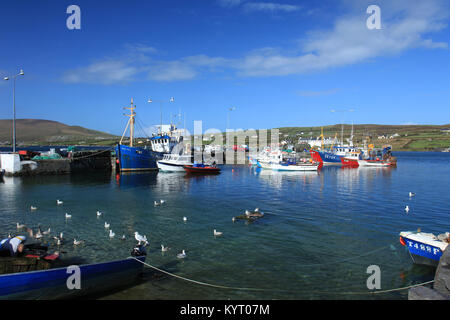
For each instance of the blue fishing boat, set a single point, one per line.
(53, 283)
(424, 248)
(131, 158)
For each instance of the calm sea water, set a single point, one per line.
(320, 232)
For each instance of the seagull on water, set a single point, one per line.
(77, 242)
(46, 232)
(217, 233)
(407, 209)
(123, 238)
(184, 219)
(59, 202)
(411, 194)
(20, 226)
(33, 208)
(159, 203)
(111, 234)
(107, 225)
(181, 255)
(68, 216)
(140, 238)
(233, 219)
(164, 249)
(99, 213)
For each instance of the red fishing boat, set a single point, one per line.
(201, 169)
(351, 163)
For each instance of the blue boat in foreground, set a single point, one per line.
(424, 248)
(53, 283)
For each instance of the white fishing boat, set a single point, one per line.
(292, 167)
(174, 162)
(375, 163)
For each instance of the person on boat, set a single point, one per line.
(12, 246)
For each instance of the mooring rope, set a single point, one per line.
(281, 290)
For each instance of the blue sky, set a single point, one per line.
(284, 63)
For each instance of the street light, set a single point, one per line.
(21, 73)
(228, 117)
(172, 99)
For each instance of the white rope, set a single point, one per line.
(279, 290)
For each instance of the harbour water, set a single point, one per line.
(320, 233)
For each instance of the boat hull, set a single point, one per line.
(135, 158)
(326, 157)
(422, 251)
(374, 163)
(201, 170)
(291, 168)
(52, 284)
(352, 163)
(170, 167)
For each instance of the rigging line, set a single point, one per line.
(280, 290)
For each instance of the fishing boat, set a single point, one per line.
(53, 283)
(131, 158)
(424, 248)
(198, 168)
(348, 162)
(292, 166)
(174, 162)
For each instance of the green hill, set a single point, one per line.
(401, 137)
(46, 132)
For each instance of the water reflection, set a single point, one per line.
(277, 179)
(136, 179)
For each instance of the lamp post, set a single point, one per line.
(160, 108)
(21, 73)
(228, 117)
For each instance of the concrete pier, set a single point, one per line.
(79, 162)
(441, 286)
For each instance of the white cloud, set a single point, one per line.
(405, 25)
(350, 41)
(270, 6)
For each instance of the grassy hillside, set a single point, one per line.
(401, 137)
(35, 131)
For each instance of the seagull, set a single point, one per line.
(107, 225)
(75, 242)
(33, 208)
(68, 216)
(111, 234)
(58, 242)
(407, 209)
(20, 226)
(411, 194)
(164, 249)
(181, 255)
(59, 202)
(9, 236)
(233, 219)
(217, 233)
(46, 232)
(99, 213)
(159, 203)
(256, 209)
(140, 238)
(38, 235)
(123, 238)
(247, 213)
(184, 219)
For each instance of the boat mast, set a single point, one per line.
(130, 122)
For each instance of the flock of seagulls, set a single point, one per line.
(141, 239)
